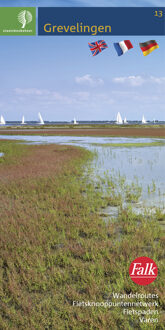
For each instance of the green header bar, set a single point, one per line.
(17, 21)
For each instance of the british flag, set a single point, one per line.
(97, 47)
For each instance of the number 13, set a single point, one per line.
(158, 13)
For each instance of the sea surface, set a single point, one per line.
(35, 123)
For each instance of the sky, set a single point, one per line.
(83, 3)
(59, 77)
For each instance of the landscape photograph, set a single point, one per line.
(82, 193)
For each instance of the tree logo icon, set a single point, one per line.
(25, 17)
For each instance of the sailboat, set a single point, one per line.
(125, 121)
(2, 121)
(119, 119)
(41, 122)
(23, 121)
(143, 120)
(75, 122)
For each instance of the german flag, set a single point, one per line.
(148, 46)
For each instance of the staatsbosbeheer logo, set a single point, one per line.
(143, 271)
(18, 21)
(25, 17)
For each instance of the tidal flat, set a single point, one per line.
(57, 245)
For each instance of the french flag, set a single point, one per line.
(122, 46)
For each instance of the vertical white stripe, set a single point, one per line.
(123, 46)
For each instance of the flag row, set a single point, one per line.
(123, 46)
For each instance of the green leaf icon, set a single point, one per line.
(25, 17)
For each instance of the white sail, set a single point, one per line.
(74, 121)
(143, 120)
(41, 122)
(2, 121)
(119, 119)
(125, 120)
(23, 120)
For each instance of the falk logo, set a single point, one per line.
(25, 17)
(143, 271)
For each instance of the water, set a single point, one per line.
(144, 165)
(1, 154)
(87, 122)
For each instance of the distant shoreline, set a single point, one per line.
(115, 131)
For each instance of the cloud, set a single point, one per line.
(139, 80)
(42, 94)
(157, 80)
(29, 91)
(44, 97)
(89, 80)
(38, 92)
(131, 80)
(82, 96)
(50, 97)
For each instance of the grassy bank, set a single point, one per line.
(88, 130)
(79, 126)
(55, 247)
